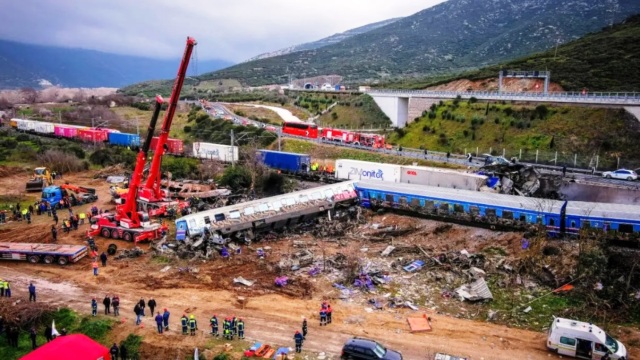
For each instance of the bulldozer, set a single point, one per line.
(41, 179)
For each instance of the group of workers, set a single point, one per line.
(325, 318)
(231, 326)
(5, 289)
(322, 168)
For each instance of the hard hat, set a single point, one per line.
(192, 317)
(184, 315)
(297, 332)
(165, 309)
(214, 315)
(240, 319)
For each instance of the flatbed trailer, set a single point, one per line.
(47, 253)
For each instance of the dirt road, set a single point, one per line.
(272, 318)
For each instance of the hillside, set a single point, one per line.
(450, 37)
(26, 65)
(599, 61)
(588, 132)
(330, 40)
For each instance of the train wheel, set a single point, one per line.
(48, 259)
(62, 260)
(115, 234)
(127, 236)
(105, 233)
(34, 259)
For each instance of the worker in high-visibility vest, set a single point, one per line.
(82, 216)
(193, 325)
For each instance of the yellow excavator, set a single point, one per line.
(41, 179)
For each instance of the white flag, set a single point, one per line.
(54, 332)
(195, 355)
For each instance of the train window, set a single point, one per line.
(444, 207)
(389, 198)
(429, 204)
(552, 222)
(507, 215)
(490, 212)
(402, 200)
(329, 193)
(607, 226)
(289, 201)
(263, 207)
(585, 224)
(303, 198)
(625, 228)
(276, 205)
(248, 210)
(415, 202)
(539, 220)
(458, 208)
(573, 223)
(235, 214)
(219, 217)
(316, 195)
(474, 210)
(207, 220)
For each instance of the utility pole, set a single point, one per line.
(279, 143)
(233, 160)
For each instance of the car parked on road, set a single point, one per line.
(365, 349)
(622, 174)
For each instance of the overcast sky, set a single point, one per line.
(233, 30)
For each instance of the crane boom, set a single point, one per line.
(128, 210)
(152, 185)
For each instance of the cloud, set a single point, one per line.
(229, 30)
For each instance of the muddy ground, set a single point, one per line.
(272, 314)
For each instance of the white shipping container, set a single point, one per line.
(429, 176)
(365, 170)
(224, 153)
(25, 125)
(42, 127)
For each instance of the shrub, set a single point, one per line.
(425, 128)
(465, 132)
(236, 178)
(472, 100)
(400, 132)
(432, 115)
(187, 129)
(133, 342)
(22, 137)
(180, 167)
(496, 121)
(61, 161)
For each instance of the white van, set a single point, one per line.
(583, 340)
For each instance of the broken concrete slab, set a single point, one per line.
(477, 290)
(477, 273)
(420, 324)
(243, 281)
(388, 250)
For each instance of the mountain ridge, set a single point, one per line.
(26, 65)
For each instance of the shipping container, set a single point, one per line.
(45, 128)
(93, 135)
(124, 139)
(365, 170)
(429, 176)
(25, 125)
(224, 153)
(65, 131)
(175, 146)
(285, 161)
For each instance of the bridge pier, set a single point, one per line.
(395, 107)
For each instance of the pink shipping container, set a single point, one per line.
(93, 135)
(65, 131)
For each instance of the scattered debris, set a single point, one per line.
(281, 281)
(166, 268)
(243, 281)
(132, 253)
(477, 290)
(414, 266)
(420, 324)
(388, 250)
(491, 315)
(526, 311)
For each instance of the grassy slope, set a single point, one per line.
(257, 113)
(581, 130)
(602, 61)
(356, 112)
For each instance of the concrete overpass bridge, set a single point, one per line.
(395, 103)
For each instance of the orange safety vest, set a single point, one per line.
(95, 264)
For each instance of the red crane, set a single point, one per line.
(151, 191)
(128, 223)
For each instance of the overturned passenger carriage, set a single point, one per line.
(266, 214)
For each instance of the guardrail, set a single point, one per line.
(628, 98)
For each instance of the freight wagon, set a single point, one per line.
(124, 139)
(285, 161)
(44, 128)
(441, 178)
(174, 146)
(24, 125)
(93, 135)
(224, 153)
(66, 131)
(365, 170)
(47, 253)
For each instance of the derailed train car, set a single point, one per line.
(266, 214)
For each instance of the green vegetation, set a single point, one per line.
(96, 328)
(355, 112)
(218, 131)
(132, 343)
(601, 61)
(458, 125)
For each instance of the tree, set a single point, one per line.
(28, 95)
